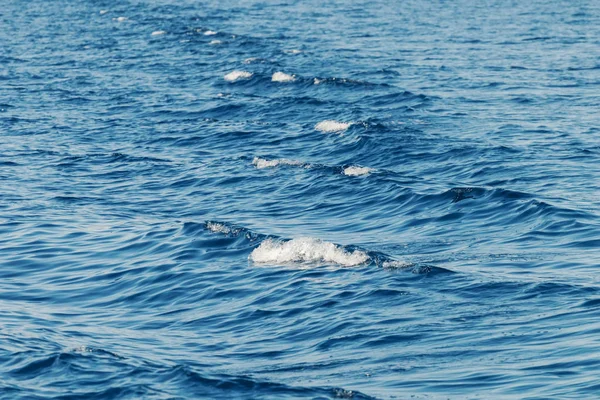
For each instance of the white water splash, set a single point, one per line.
(235, 75)
(332, 126)
(218, 228)
(214, 42)
(158, 33)
(210, 33)
(120, 19)
(282, 77)
(357, 171)
(305, 250)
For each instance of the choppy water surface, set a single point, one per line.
(253, 199)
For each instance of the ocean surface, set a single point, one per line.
(299, 199)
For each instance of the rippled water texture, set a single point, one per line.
(247, 199)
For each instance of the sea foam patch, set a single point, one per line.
(305, 250)
(210, 33)
(357, 171)
(158, 33)
(237, 75)
(329, 126)
(282, 77)
(261, 163)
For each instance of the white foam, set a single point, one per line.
(293, 51)
(357, 171)
(213, 42)
(317, 81)
(282, 77)
(332, 126)
(261, 163)
(218, 228)
(102, 12)
(210, 33)
(397, 265)
(158, 33)
(235, 75)
(120, 19)
(250, 60)
(305, 250)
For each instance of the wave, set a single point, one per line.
(309, 251)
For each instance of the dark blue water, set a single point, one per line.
(310, 199)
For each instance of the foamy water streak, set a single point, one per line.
(282, 77)
(237, 75)
(357, 171)
(210, 33)
(305, 250)
(261, 163)
(329, 126)
(158, 33)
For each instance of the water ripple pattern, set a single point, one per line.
(273, 200)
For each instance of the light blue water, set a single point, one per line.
(168, 233)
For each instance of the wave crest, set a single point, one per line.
(261, 163)
(282, 77)
(236, 75)
(306, 250)
(332, 126)
(357, 171)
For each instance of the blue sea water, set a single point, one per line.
(285, 199)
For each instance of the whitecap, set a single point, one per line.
(120, 19)
(102, 12)
(218, 227)
(282, 77)
(213, 42)
(210, 33)
(317, 81)
(305, 250)
(235, 75)
(332, 126)
(357, 171)
(293, 51)
(261, 163)
(394, 264)
(251, 60)
(158, 33)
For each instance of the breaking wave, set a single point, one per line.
(306, 250)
